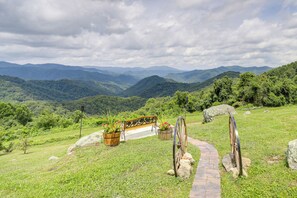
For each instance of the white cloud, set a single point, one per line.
(187, 34)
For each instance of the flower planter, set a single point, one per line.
(165, 135)
(112, 139)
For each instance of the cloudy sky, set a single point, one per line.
(184, 34)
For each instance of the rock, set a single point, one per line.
(71, 149)
(266, 111)
(246, 162)
(171, 172)
(244, 173)
(188, 156)
(211, 112)
(292, 154)
(235, 172)
(89, 140)
(247, 113)
(228, 165)
(226, 161)
(185, 169)
(53, 158)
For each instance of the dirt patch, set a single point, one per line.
(274, 159)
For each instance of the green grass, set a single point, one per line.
(136, 168)
(263, 135)
(56, 136)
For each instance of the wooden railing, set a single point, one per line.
(140, 122)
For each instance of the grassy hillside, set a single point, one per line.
(16, 89)
(136, 168)
(264, 136)
(203, 75)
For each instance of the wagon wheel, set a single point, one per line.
(235, 145)
(180, 142)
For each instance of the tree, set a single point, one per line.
(248, 88)
(222, 89)
(22, 114)
(181, 98)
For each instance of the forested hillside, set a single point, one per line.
(159, 87)
(16, 89)
(101, 105)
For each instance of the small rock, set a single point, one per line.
(235, 172)
(53, 158)
(266, 111)
(171, 172)
(185, 169)
(188, 156)
(246, 162)
(244, 173)
(247, 113)
(71, 149)
(228, 165)
(292, 154)
(226, 161)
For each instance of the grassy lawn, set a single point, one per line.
(136, 168)
(263, 135)
(56, 136)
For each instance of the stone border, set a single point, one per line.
(207, 182)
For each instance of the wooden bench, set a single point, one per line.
(140, 122)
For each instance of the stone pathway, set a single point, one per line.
(207, 178)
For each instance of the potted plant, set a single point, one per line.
(165, 131)
(112, 131)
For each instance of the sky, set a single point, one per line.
(185, 34)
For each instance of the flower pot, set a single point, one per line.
(165, 135)
(112, 139)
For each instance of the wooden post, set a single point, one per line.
(81, 118)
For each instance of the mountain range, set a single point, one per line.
(202, 75)
(56, 82)
(156, 86)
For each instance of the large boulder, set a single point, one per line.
(292, 154)
(211, 112)
(89, 140)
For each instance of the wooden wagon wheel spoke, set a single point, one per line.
(180, 142)
(235, 144)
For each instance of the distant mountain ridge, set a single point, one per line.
(140, 72)
(202, 75)
(156, 86)
(144, 84)
(58, 72)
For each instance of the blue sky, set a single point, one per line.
(186, 34)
